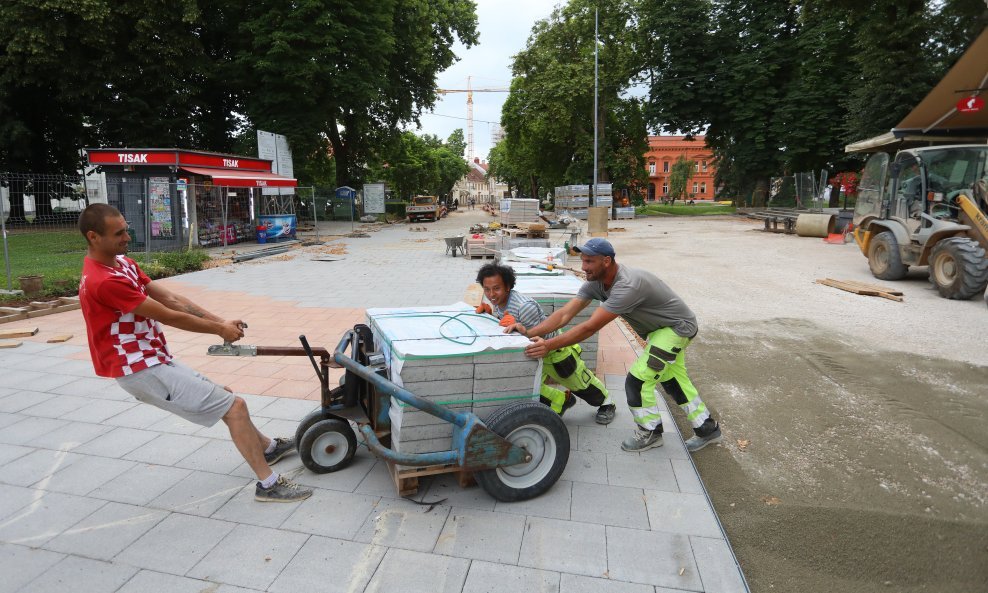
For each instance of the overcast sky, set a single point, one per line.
(504, 26)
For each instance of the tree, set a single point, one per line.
(413, 164)
(348, 74)
(679, 178)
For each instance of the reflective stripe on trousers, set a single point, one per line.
(663, 362)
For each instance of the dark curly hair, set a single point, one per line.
(490, 270)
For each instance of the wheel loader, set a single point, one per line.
(927, 207)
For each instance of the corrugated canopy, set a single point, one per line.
(235, 178)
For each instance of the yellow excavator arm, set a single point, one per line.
(978, 222)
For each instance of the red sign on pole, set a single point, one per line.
(970, 105)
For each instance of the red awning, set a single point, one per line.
(233, 178)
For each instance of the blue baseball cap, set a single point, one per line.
(596, 246)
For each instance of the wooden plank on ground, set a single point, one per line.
(862, 288)
(8, 344)
(59, 338)
(18, 332)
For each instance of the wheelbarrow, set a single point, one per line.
(454, 243)
(516, 453)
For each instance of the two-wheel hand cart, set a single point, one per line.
(516, 453)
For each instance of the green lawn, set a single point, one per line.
(57, 255)
(683, 210)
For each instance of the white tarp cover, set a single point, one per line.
(448, 330)
(536, 253)
(565, 285)
(529, 269)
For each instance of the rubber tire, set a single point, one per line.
(958, 268)
(523, 420)
(321, 435)
(307, 422)
(884, 258)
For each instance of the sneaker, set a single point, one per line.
(643, 440)
(282, 447)
(605, 414)
(697, 442)
(284, 490)
(569, 403)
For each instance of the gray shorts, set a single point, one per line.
(178, 389)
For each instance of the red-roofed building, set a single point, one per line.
(475, 184)
(663, 151)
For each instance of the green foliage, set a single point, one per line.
(697, 210)
(548, 116)
(679, 178)
(414, 164)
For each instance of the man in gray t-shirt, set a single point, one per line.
(660, 317)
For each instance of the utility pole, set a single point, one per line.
(469, 119)
(596, 46)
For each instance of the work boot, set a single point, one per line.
(709, 432)
(282, 447)
(569, 403)
(284, 490)
(643, 440)
(605, 414)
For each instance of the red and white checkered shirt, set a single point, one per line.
(120, 342)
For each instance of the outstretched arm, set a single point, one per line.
(178, 302)
(230, 331)
(553, 322)
(539, 347)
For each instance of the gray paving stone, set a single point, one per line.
(641, 471)
(446, 488)
(167, 449)
(86, 474)
(148, 581)
(96, 387)
(107, 532)
(571, 583)
(13, 498)
(482, 535)
(344, 480)
(415, 572)
(718, 570)
(8, 418)
(554, 504)
(176, 425)
(679, 512)
(99, 410)
(20, 565)
(139, 416)
(249, 556)
(564, 546)
(286, 408)
(21, 400)
(81, 574)
(331, 513)
(609, 505)
(351, 566)
(29, 428)
(199, 493)
(219, 457)
(9, 453)
(603, 439)
(584, 466)
(686, 476)
(486, 577)
(140, 485)
(35, 380)
(116, 442)
(242, 508)
(651, 557)
(55, 407)
(45, 517)
(378, 482)
(36, 466)
(68, 437)
(176, 544)
(403, 524)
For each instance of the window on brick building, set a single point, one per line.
(665, 189)
(704, 166)
(665, 166)
(696, 187)
(696, 166)
(651, 168)
(703, 187)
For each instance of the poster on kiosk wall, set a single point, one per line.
(279, 227)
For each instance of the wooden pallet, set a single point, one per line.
(38, 309)
(406, 479)
(862, 288)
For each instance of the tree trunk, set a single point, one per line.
(17, 212)
(340, 155)
(760, 196)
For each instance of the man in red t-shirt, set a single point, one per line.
(123, 310)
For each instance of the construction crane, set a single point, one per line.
(470, 91)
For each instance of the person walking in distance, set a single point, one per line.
(123, 310)
(518, 312)
(656, 314)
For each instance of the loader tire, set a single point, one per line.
(958, 268)
(884, 258)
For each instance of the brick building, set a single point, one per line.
(663, 151)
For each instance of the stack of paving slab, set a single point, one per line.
(453, 357)
(553, 292)
(624, 212)
(507, 243)
(573, 201)
(480, 246)
(602, 197)
(533, 261)
(515, 210)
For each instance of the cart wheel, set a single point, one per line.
(327, 446)
(540, 431)
(311, 418)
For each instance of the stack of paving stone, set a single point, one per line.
(602, 197)
(552, 292)
(452, 357)
(573, 201)
(515, 210)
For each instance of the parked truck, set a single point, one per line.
(423, 208)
